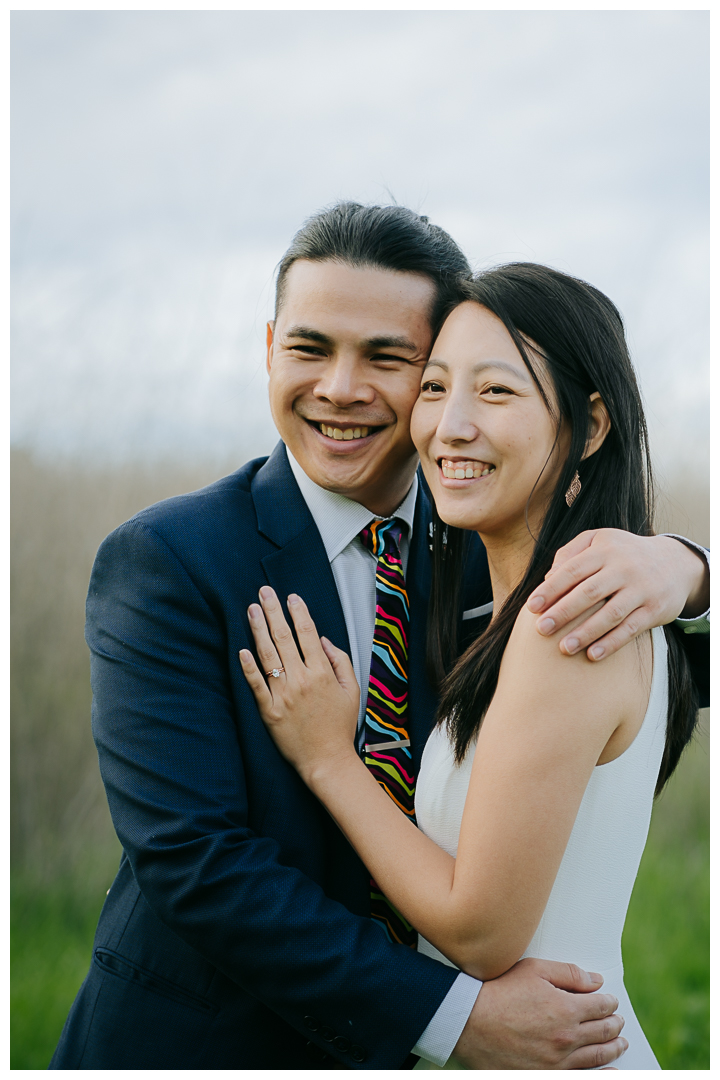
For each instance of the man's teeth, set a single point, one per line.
(465, 470)
(344, 436)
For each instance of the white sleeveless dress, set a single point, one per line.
(584, 917)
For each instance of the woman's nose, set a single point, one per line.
(457, 423)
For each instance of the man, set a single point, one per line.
(236, 934)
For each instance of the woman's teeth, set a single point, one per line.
(346, 434)
(465, 470)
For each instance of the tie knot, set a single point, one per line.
(383, 536)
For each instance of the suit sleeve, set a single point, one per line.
(694, 635)
(697, 650)
(164, 724)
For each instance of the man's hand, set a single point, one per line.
(646, 581)
(542, 1015)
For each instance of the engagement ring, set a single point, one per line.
(276, 671)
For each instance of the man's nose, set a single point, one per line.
(457, 423)
(343, 382)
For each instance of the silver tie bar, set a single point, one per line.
(394, 744)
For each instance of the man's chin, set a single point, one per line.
(319, 455)
(344, 477)
(358, 469)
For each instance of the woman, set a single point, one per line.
(535, 789)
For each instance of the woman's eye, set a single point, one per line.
(432, 387)
(497, 390)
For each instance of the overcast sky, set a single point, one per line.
(161, 162)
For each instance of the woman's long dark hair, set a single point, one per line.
(580, 336)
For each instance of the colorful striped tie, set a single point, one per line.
(385, 737)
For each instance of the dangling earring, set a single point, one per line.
(574, 490)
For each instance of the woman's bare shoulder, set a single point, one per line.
(534, 667)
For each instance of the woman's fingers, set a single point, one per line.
(276, 646)
(264, 644)
(256, 680)
(341, 664)
(279, 631)
(306, 632)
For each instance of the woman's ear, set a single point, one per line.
(599, 424)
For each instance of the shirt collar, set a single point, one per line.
(339, 520)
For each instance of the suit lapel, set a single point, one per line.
(300, 563)
(302, 567)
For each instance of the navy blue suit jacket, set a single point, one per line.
(237, 932)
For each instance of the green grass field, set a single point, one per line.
(666, 942)
(51, 940)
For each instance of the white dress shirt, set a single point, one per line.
(339, 521)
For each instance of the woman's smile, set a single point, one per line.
(464, 469)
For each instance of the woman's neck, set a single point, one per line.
(508, 559)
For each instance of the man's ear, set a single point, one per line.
(269, 342)
(599, 424)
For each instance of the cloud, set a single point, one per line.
(162, 161)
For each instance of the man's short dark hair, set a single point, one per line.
(385, 237)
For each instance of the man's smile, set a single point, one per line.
(344, 433)
(344, 436)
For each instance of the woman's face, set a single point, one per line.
(483, 431)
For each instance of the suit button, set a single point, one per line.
(327, 1034)
(315, 1053)
(341, 1044)
(357, 1053)
(311, 1023)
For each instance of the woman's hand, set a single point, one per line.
(311, 708)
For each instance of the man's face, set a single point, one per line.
(345, 357)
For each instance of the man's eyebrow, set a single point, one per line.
(380, 341)
(384, 341)
(484, 365)
(309, 334)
